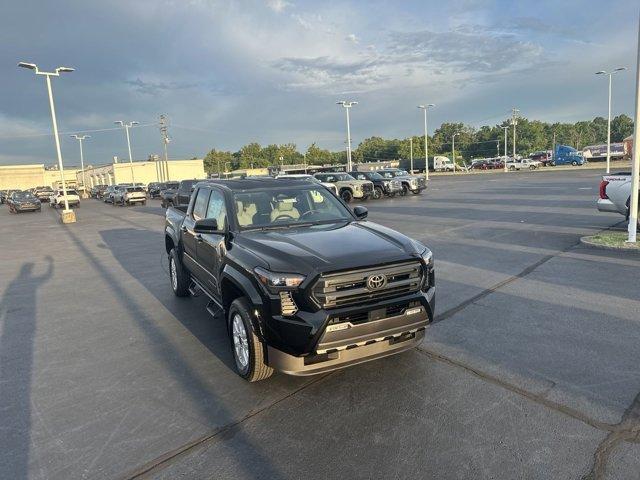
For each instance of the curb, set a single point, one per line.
(586, 241)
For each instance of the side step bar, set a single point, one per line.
(213, 308)
(195, 290)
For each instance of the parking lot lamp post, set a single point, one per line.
(127, 126)
(48, 75)
(80, 138)
(347, 106)
(453, 150)
(609, 74)
(506, 130)
(635, 166)
(426, 139)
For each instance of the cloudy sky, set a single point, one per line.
(230, 72)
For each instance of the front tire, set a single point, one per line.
(248, 350)
(179, 277)
(346, 196)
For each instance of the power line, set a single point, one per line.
(50, 134)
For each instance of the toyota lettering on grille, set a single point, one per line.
(376, 282)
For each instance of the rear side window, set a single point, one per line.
(200, 205)
(216, 209)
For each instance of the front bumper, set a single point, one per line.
(345, 343)
(26, 208)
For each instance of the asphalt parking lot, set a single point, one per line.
(530, 371)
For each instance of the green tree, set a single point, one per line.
(318, 156)
(621, 128)
(215, 160)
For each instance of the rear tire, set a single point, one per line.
(377, 193)
(179, 277)
(416, 192)
(248, 350)
(574, 163)
(404, 191)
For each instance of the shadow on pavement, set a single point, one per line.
(18, 313)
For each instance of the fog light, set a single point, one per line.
(287, 305)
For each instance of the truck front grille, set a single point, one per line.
(367, 187)
(352, 287)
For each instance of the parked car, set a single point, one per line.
(23, 201)
(5, 194)
(381, 186)
(523, 164)
(107, 196)
(544, 157)
(410, 183)
(566, 155)
(129, 195)
(181, 195)
(615, 194)
(347, 186)
(481, 164)
(168, 194)
(43, 193)
(154, 189)
(305, 284)
(97, 191)
(311, 178)
(56, 200)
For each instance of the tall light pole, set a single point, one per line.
(48, 75)
(514, 122)
(347, 106)
(164, 132)
(609, 74)
(453, 151)
(635, 165)
(126, 127)
(426, 139)
(80, 138)
(506, 130)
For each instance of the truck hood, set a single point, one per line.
(325, 248)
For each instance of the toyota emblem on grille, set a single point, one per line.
(376, 282)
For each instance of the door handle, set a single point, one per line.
(183, 228)
(198, 237)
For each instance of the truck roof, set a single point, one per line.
(260, 183)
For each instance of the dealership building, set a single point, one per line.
(140, 172)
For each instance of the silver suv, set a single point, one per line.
(410, 183)
(129, 195)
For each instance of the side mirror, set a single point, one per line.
(360, 212)
(206, 225)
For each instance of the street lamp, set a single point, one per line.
(80, 138)
(32, 66)
(127, 126)
(453, 150)
(426, 144)
(506, 130)
(610, 74)
(347, 106)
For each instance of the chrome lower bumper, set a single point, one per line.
(355, 344)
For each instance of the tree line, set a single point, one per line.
(470, 142)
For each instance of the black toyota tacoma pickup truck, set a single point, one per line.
(306, 284)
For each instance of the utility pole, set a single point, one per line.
(68, 215)
(80, 138)
(506, 131)
(426, 139)
(411, 153)
(514, 122)
(635, 168)
(165, 142)
(126, 127)
(347, 106)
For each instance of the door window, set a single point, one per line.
(200, 205)
(216, 209)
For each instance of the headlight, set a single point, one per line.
(278, 281)
(427, 257)
(386, 184)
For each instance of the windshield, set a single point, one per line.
(334, 177)
(288, 207)
(24, 196)
(69, 192)
(170, 185)
(375, 176)
(135, 189)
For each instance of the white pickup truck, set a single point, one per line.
(523, 164)
(615, 193)
(56, 200)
